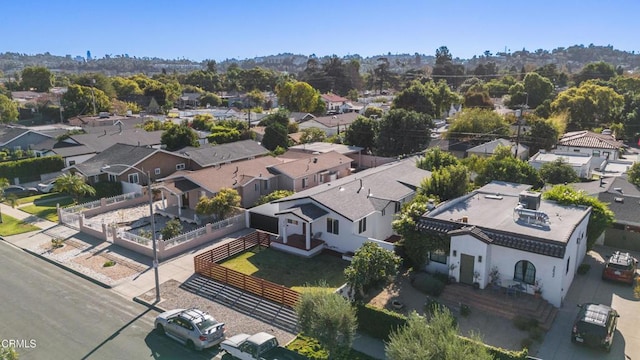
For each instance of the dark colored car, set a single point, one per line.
(19, 191)
(620, 267)
(595, 326)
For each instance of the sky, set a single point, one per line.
(210, 29)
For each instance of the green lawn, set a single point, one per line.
(41, 198)
(45, 208)
(13, 226)
(289, 270)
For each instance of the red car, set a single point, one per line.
(620, 267)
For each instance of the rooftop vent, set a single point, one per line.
(493, 197)
(529, 216)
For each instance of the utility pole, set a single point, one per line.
(93, 97)
(520, 116)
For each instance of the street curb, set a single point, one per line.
(71, 270)
(148, 304)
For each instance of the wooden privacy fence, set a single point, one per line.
(206, 265)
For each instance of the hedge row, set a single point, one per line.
(30, 169)
(379, 323)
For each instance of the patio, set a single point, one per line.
(296, 244)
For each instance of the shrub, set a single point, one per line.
(57, 243)
(536, 334)
(445, 278)
(428, 284)
(378, 322)
(109, 263)
(108, 189)
(583, 269)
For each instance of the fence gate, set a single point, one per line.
(70, 219)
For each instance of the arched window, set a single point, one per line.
(525, 272)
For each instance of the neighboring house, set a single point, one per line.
(597, 145)
(581, 163)
(332, 124)
(300, 116)
(188, 101)
(15, 138)
(251, 178)
(312, 170)
(348, 107)
(71, 153)
(354, 152)
(118, 161)
(487, 149)
(623, 198)
(342, 214)
(110, 135)
(212, 155)
(123, 122)
(507, 229)
(333, 102)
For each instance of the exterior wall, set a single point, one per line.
(160, 160)
(249, 194)
(316, 179)
(583, 171)
(370, 161)
(613, 154)
(469, 245)
(78, 159)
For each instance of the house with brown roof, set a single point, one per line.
(603, 146)
(333, 102)
(332, 124)
(312, 170)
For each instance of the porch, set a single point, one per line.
(501, 302)
(296, 244)
(184, 214)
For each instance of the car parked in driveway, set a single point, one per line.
(20, 191)
(192, 327)
(595, 326)
(620, 266)
(46, 187)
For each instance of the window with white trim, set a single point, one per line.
(180, 166)
(133, 178)
(305, 182)
(333, 226)
(292, 222)
(113, 178)
(157, 171)
(525, 272)
(438, 256)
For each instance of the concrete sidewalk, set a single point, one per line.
(26, 217)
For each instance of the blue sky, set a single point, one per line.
(210, 29)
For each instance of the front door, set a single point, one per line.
(466, 269)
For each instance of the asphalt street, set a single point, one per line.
(48, 313)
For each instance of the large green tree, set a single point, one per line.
(446, 183)
(275, 135)
(8, 110)
(178, 136)
(588, 106)
(80, 100)
(502, 166)
(598, 70)
(537, 88)
(74, 185)
(558, 172)
(403, 132)
(38, 78)
(435, 339)
(310, 135)
(435, 159)
(370, 266)
(220, 205)
(299, 96)
(362, 132)
(541, 135)
(601, 216)
(634, 174)
(329, 318)
(478, 123)
(416, 98)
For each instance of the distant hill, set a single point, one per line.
(570, 59)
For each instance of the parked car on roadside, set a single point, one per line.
(194, 328)
(260, 346)
(20, 191)
(620, 267)
(595, 326)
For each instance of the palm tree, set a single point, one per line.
(74, 185)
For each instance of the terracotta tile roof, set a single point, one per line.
(590, 139)
(333, 98)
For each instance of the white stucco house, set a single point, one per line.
(603, 146)
(507, 229)
(581, 163)
(342, 214)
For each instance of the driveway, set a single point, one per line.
(591, 288)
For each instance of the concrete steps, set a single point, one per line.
(499, 303)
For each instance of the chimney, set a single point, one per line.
(465, 219)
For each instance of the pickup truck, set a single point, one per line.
(261, 346)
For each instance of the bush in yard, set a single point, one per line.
(377, 322)
(583, 269)
(526, 343)
(370, 266)
(428, 284)
(327, 317)
(172, 229)
(108, 189)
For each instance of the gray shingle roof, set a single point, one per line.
(307, 212)
(213, 155)
(9, 133)
(100, 141)
(116, 154)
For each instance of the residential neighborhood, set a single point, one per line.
(329, 212)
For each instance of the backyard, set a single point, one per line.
(289, 270)
(12, 226)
